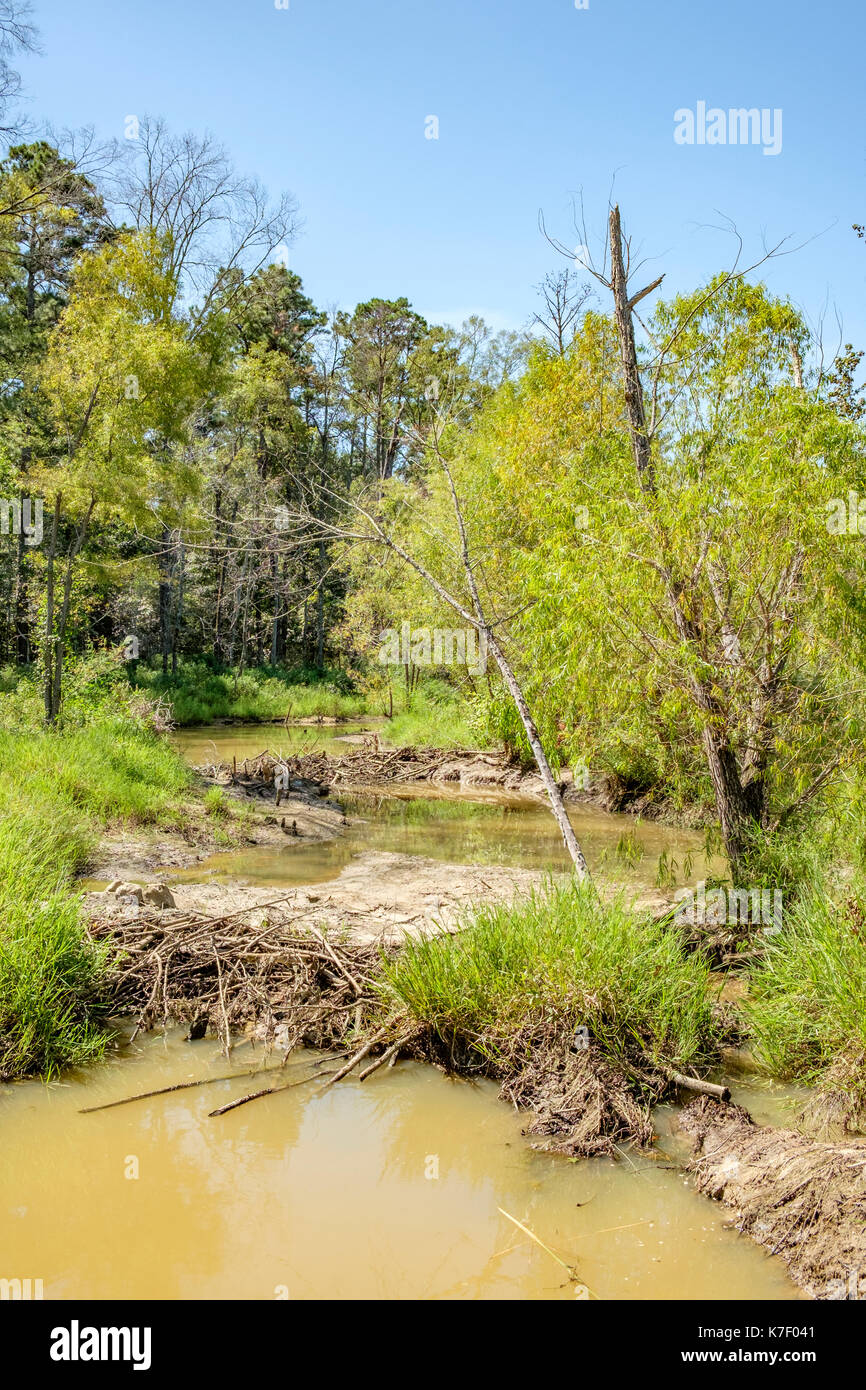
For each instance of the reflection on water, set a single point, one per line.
(335, 1195)
(459, 830)
(440, 823)
(218, 743)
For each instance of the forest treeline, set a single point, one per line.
(168, 402)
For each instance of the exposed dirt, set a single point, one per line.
(581, 1104)
(378, 897)
(304, 815)
(800, 1199)
(371, 765)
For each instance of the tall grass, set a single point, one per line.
(561, 956)
(198, 693)
(435, 716)
(807, 999)
(51, 976)
(57, 788)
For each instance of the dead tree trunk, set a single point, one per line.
(551, 786)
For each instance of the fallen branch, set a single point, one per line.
(702, 1088)
(167, 1090)
(267, 1091)
(386, 1056)
(359, 1056)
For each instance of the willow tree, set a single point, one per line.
(655, 515)
(736, 457)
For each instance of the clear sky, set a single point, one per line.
(536, 101)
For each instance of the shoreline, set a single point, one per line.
(320, 947)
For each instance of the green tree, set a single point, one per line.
(121, 380)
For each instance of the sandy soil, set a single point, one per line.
(378, 897)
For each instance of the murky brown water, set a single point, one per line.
(336, 1195)
(209, 743)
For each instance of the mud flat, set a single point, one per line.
(304, 816)
(378, 897)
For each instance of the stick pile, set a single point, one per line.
(278, 976)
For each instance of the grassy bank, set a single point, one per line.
(807, 998)
(580, 1009)
(560, 959)
(57, 790)
(434, 715)
(199, 693)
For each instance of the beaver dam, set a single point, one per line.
(332, 1085)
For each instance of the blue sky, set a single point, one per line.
(537, 101)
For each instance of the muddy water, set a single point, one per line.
(457, 827)
(209, 743)
(387, 1189)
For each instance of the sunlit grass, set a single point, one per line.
(561, 956)
(435, 716)
(199, 694)
(807, 999)
(57, 788)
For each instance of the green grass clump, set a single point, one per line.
(807, 999)
(561, 957)
(57, 788)
(436, 716)
(215, 803)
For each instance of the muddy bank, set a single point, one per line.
(378, 897)
(234, 958)
(308, 969)
(798, 1198)
(304, 815)
(467, 770)
(366, 764)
